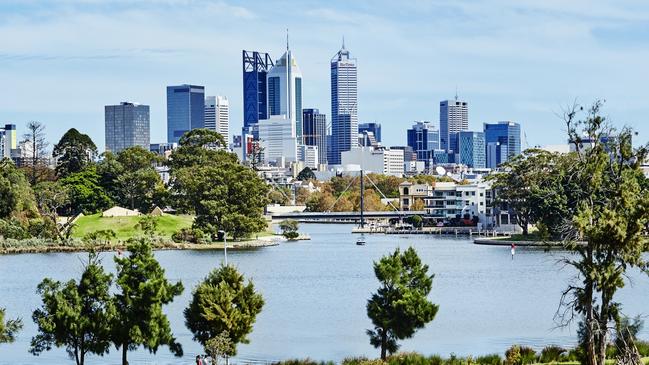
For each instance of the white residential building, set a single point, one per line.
(381, 161)
(217, 115)
(277, 140)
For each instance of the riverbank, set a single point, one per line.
(37, 246)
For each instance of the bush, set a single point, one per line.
(362, 361)
(306, 361)
(643, 348)
(42, 228)
(493, 359)
(191, 235)
(12, 229)
(291, 235)
(520, 355)
(413, 358)
(552, 353)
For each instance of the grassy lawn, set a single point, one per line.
(125, 227)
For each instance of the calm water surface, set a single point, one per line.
(316, 291)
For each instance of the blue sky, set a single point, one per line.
(62, 61)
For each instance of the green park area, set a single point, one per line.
(127, 227)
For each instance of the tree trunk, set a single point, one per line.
(602, 337)
(384, 344)
(591, 358)
(124, 352)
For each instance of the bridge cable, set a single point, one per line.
(341, 194)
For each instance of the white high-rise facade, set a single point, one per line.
(344, 105)
(277, 140)
(453, 118)
(217, 115)
(285, 91)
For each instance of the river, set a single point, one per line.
(316, 291)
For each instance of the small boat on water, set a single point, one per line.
(360, 241)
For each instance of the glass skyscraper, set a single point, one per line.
(471, 149)
(503, 141)
(127, 125)
(423, 137)
(344, 105)
(453, 118)
(185, 110)
(314, 132)
(255, 91)
(285, 90)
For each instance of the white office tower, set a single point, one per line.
(285, 91)
(309, 155)
(380, 161)
(277, 140)
(217, 115)
(8, 141)
(453, 118)
(344, 105)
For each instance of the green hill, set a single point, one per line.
(126, 227)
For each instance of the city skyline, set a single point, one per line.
(597, 54)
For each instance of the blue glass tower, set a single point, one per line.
(471, 149)
(423, 137)
(185, 110)
(314, 129)
(255, 98)
(373, 127)
(503, 141)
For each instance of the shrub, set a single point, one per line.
(12, 229)
(42, 228)
(643, 348)
(552, 353)
(192, 235)
(306, 361)
(520, 355)
(413, 358)
(291, 235)
(493, 359)
(362, 361)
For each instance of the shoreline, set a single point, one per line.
(157, 246)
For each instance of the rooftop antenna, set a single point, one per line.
(343, 42)
(456, 97)
(287, 39)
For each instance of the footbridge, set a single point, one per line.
(343, 216)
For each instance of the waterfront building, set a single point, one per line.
(309, 155)
(373, 127)
(217, 115)
(8, 141)
(126, 125)
(277, 140)
(185, 110)
(384, 161)
(255, 92)
(344, 105)
(503, 142)
(423, 138)
(453, 118)
(314, 132)
(285, 90)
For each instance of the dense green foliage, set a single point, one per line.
(142, 291)
(223, 302)
(85, 194)
(289, 228)
(15, 193)
(400, 306)
(9, 328)
(210, 182)
(74, 152)
(74, 315)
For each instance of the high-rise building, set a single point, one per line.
(8, 141)
(384, 161)
(285, 90)
(185, 110)
(308, 155)
(471, 149)
(423, 137)
(277, 140)
(127, 125)
(373, 127)
(314, 132)
(217, 115)
(453, 118)
(344, 105)
(503, 142)
(255, 92)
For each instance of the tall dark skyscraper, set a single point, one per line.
(127, 125)
(314, 132)
(373, 127)
(344, 105)
(503, 141)
(185, 110)
(453, 118)
(255, 90)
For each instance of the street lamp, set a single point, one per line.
(225, 246)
